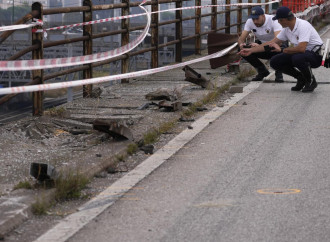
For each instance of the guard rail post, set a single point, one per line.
(267, 7)
(154, 34)
(178, 34)
(88, 47)
(125, 38)
(37, 75)
(214, 16)
(227, 17)
(239, 18)
(198, 12)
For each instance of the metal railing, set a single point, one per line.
(39, 44)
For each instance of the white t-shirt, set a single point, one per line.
(266, 31)
(303, 31)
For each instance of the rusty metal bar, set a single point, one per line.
(51, 11)
(154, 35)
(239, 18)
(178, 33)
(6, 98)
(214, 15)
(198, 12)
(249, 8)
(25, 51)
(267, 7)
(23, 20)
(227, 18)
(125, 38)
(37, 39)
(88, 47)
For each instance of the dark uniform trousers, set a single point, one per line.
(253, 59)
(302, 61)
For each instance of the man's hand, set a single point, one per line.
(245, 52)
(254, 44)
(275, 47)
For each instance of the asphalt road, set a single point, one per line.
(258, 173)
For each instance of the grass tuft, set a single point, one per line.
(23, 185)
(131, 149)
(40, 207)
(69, 186)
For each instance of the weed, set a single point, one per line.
(120, 158)
(69, 186)
(165, 127)
(150, 137)
(40, 207)
(55, 112)
(242, 75)
(131, 149)
(23, 185)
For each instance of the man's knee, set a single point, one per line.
(275, 63)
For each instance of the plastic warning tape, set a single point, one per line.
(142, 14)
(20, 65)
(59, 85)
(22, 26)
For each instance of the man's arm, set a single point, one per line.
(260, 48)
(300, 48)
(241, 39)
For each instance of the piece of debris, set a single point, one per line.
(98, 155)
(101, 174)
(144, 106)
(221, 105)
(182, 119)
(186, 103)
(148, 149)
(201, 109)
(161, 94)
(111, 169)
(42, 171)
(78, 131)
(235, 89)
(116, 130)
(244, 103)
(196, 78)
(122, 167)
(190, 127)
(96, 92)
(140, 143)
(170, 106)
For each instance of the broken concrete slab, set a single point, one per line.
(115, 118)
(170, 106)
(116, 130)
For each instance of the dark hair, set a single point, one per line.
(290, 17)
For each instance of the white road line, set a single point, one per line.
(86, 213)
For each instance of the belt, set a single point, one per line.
(316, 49)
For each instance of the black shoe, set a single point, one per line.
(278, 77)
(300, 84)
(260, 76)
(310, 86)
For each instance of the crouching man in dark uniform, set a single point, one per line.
(265, 29)
(298, 60)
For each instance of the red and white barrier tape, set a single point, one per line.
(21, 26)
(20, 65)
(78, 60)
(141, 14)
(51, 86)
